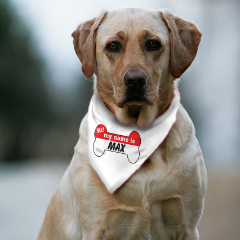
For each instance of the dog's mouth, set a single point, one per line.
(134, 98)
(133, 106)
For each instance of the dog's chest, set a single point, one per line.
(149, 201)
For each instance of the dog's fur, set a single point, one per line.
(164, 199)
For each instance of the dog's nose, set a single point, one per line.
(135, 79)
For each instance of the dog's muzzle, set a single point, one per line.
(135, 82)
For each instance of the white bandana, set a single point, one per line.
(117, 151)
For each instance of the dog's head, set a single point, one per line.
(136, 55)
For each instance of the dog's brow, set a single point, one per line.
(120, 35)
(146, 34)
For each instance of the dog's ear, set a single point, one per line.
(184, 40)
(84, 38)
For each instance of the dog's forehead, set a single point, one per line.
(132, 21)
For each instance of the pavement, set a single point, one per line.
(25, 191)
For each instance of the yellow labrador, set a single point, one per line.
(136, 55)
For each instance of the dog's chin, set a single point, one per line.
(133, 101)
(139, 112)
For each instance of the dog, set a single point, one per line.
(136, 56)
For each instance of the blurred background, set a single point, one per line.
(44, 96)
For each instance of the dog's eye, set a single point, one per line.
(113, 46)
(153, 45)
